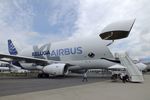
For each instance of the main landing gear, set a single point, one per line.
(43, 75)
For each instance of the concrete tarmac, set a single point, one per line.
(104, 90)
(12, 86)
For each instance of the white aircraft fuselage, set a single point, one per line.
(71, 55)
(83, 52)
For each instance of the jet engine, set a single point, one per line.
(56, 69)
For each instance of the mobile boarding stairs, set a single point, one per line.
(135, 75)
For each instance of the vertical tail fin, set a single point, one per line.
(11, 48)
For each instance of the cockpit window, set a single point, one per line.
(91, 54)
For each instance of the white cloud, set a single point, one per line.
(15, 22)
(32, 33)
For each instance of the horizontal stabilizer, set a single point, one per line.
(117, 30)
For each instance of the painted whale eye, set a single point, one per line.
(91, 54)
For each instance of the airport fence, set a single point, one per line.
(19, 75)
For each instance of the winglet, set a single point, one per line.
(11, 48)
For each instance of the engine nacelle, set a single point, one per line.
(141, 66)
(56, 69)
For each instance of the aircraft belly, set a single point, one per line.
(91, 64)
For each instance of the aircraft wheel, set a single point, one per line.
(43, 75)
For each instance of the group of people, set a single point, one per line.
(123, 76)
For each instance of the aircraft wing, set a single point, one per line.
(9, 58)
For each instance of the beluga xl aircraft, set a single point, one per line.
(76, 55)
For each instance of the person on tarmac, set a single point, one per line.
(84, 77)
(123, 77)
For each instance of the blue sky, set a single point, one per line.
(54, 16)
(30, 22)
(47, 17)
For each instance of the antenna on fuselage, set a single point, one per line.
(110, 43)
(106, 38)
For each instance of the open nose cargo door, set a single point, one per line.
(117, 30)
